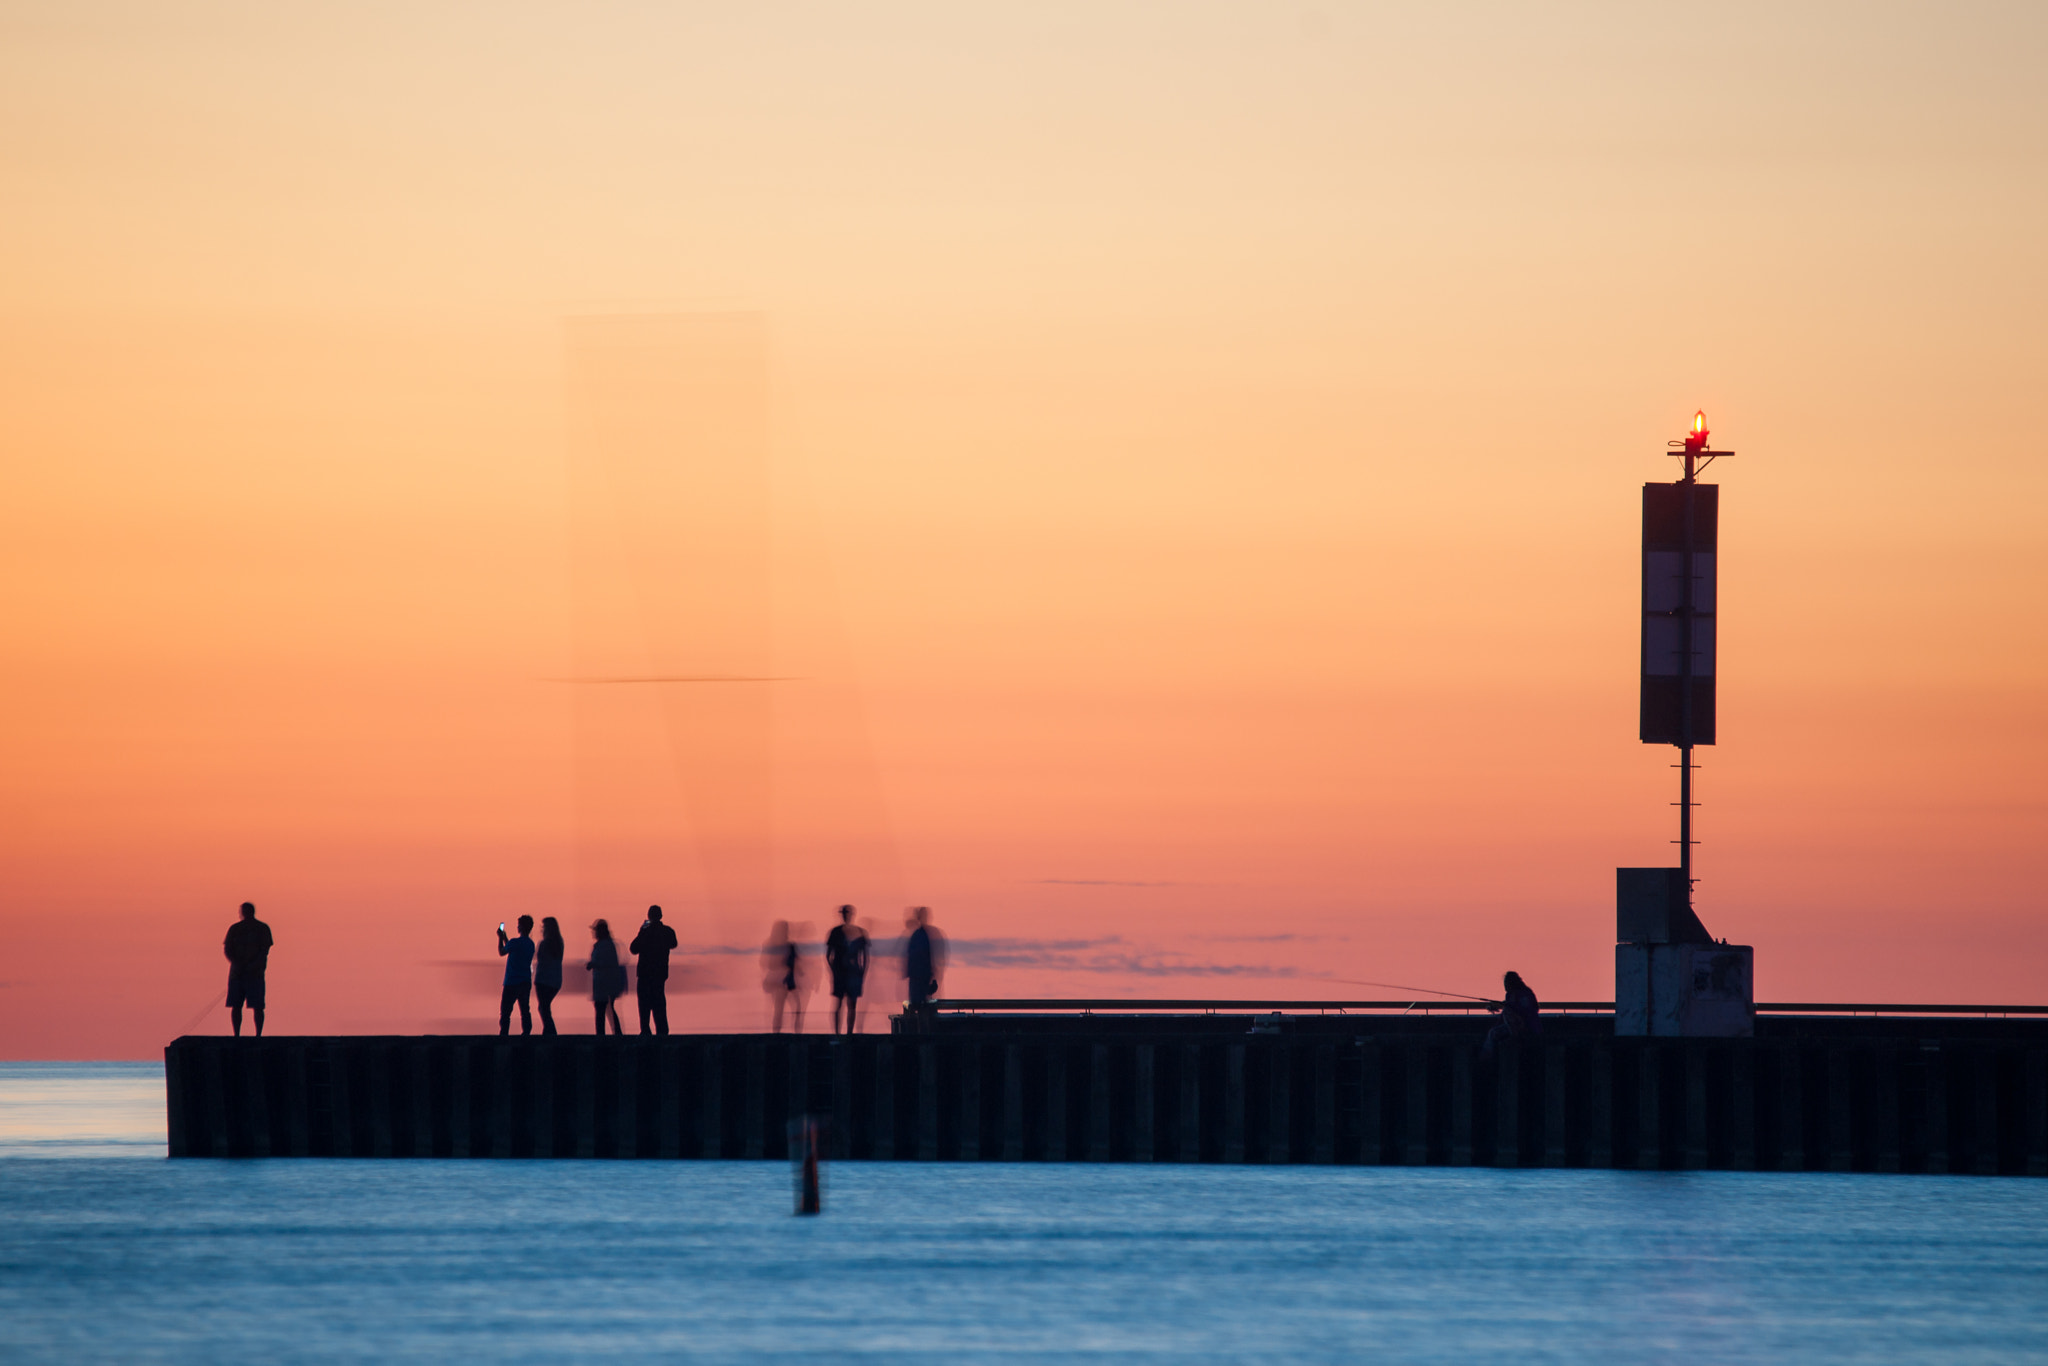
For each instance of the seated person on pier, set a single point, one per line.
(1518, 1015)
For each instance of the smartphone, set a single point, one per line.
(501, 927)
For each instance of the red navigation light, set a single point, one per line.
(1697, 438)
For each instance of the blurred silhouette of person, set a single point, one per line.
(846, 954)
(518, 955)
(607, 976)
(924, 962)
(547, 972)
(247, 948)
(654, 943)
(1518, 1015)
(780, 975)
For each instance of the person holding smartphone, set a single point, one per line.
(654, 943)
(518, 956)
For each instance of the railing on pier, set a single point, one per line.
(1115, 1006)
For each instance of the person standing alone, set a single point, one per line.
(247, 947)
(518, 956)
(653, 944)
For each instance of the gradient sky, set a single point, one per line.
(1180, 460)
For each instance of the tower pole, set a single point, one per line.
(1693, 446)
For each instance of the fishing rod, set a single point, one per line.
(1427, 991)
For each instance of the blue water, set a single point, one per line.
(126, 1259)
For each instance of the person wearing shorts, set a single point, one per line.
(247, 947)
(846, 954)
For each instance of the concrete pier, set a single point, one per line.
(1864, 1095)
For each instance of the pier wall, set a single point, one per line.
(1913, 1096)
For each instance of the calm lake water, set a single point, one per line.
(134, 1258)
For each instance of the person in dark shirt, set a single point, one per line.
(1518, 1015)
(924, 961)
(607, 976)
(781, 974)
(846, 954)
(247, 947)
(518, 956)
(654, 944)
(547, 972)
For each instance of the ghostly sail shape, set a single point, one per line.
(669, 466)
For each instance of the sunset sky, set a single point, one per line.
(1176, 468)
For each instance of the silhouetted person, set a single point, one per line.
(607, 976)
(518, 955)
(653, 944)
(846, 954)
(247, 947)
(547, 972)
(779, 974)
(924, 961)
(1518, 1015)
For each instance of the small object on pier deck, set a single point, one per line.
(1265, 1024)
(805, 1141)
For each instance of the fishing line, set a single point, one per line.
(205, 1010)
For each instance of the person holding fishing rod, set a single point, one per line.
(1518, 1015)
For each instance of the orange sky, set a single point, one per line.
(1181, 461)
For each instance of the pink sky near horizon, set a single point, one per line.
(1180, 466)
